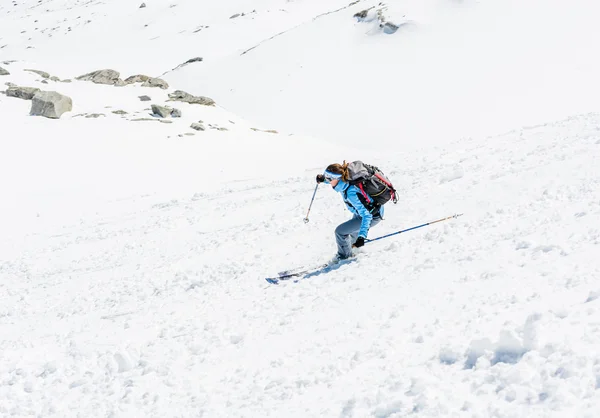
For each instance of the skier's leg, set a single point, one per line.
(343, 236)
(354, 235)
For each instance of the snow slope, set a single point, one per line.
(133, 256)
(453, 69)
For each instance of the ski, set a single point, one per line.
(300, 273)
(297, 272)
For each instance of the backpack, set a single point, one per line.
(372, 182)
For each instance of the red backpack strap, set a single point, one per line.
(362, 190)
(388, 184)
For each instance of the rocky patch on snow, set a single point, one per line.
(241, 14)
(25, 93)
(151, 120)
(50, 104)
(198, 126)
(42, 74)
(108, 77)
(381, 16)
(270, 131)
(165, 111)
(3, 71)
(113, 78)
(147, 81)
(182, 96)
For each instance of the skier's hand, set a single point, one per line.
(360, 241)
(320, 178)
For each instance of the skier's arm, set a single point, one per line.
(363, 212)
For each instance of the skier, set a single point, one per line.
(366, 213)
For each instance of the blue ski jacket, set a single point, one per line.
(350, 196)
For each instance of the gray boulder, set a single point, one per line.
(140, 78)
(191, 60)
(362, 14)
(182, 96)
(147, 81)
(42, 74)
(3, 71)
(25, 93)
(165, 112)
(109, 77)
(156, 82)
(145, 98)
(197, 126)
(50, 104)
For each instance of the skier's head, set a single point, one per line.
(337, 171)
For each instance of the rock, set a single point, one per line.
(42, 74)
(9, 84)
(182, 96)
(151, 120)
(109, 77)
(198, 126)
(44, 81)
(156, 82)
(197, 59)
(68, 80)
(165, 112)
(362, 14)
(94, 115)
(50, 104)
(25, 93)
(144, 98)
(143, 5)
(119, 112)
(161, 111)
(140, 78)
(235, 15)
(390, 28)
(147, 81)
(54, 78)
(189, 134)
(3, 71)
(270, 131)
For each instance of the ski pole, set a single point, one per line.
(311, 202)
(414, 227)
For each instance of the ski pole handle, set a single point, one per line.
(311, 202)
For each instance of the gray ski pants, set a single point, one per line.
(347, 233)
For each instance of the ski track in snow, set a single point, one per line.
(164, 311)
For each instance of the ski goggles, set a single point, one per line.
(329, 176)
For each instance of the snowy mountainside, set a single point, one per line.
(454, 69)
(163, 310)
(134, 248)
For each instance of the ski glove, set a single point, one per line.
(360, 241)
(320, 178)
